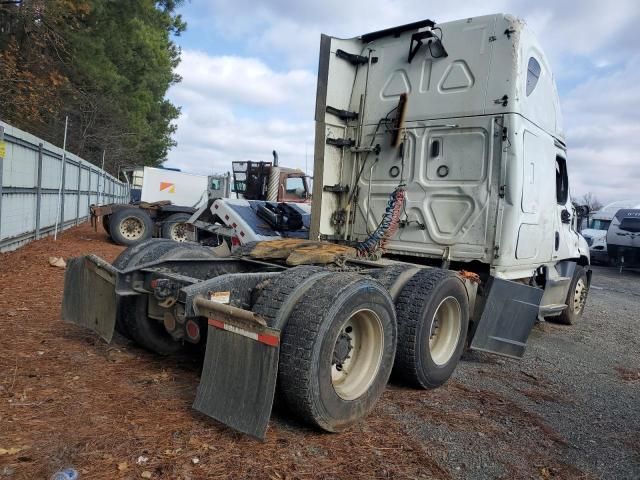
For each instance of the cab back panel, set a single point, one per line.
(449, 197)
(476, 188)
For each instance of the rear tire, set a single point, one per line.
(129, 312)
(433, 319)
(126, 258)
(337, 351)
(280, 295)
(576, 298)
(148, 332)
(132, 257)
(130, 226)
(173, 227)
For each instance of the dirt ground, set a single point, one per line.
(569, 409)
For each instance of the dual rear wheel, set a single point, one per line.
(339, 344)
(433, 319)
(339, 333)
(132, 226)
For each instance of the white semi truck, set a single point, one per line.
(596, 232)
(441, 221)
(623, 238)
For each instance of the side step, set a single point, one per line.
(552, 310)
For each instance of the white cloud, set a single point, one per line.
(292, 28)
(211, 147)
(238, 108)
(239, 80)
(603, 134)
(241, 106)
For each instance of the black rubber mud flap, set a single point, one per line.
(89, 298)
(239, 376)
(510, 311)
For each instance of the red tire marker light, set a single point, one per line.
(193, 330)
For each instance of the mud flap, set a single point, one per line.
(89, 298)
(509, 311)
(239, 376)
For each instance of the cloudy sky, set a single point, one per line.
(249, 76)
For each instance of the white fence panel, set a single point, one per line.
(30, 178)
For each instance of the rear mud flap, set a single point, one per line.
(239, 376)
(510, 312)
(89, 298)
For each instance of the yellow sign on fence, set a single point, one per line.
(3, 149)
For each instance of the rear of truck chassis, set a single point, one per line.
(327, 336)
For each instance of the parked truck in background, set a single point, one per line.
(219, 186)
(162, 201)
(272, 202)
(623, 238)
(270, 182)
(441, 220)
(596, 232)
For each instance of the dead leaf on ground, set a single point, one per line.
(10, 451)
(57, 262)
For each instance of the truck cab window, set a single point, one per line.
(562, 181)
(599, 224)
(533, 74)
(295, 186)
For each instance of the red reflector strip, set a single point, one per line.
(216, 323)
(265, 338)
(268, 339)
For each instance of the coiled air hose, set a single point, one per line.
(377, 241)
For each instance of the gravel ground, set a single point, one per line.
(582, 382)
(569, 409)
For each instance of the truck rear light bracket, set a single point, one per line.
(342, 114)
(337, 188)
(341, 142)
(352, 58)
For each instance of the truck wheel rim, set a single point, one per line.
(357, 354)
(178, 232)
(132, 228)
(444, 330)
(579, 296)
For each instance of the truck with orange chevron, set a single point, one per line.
(163, 200)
